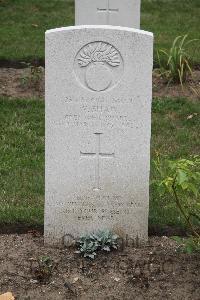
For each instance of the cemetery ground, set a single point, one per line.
(153, 272)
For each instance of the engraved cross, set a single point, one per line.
(108, 10)
(97, 155)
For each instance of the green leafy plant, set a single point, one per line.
(188, 245)
(175, 64)
(43, 269)
(106, 240)
(181, 179)
(89, 244)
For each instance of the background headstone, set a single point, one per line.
(108, 12)
(98, 128)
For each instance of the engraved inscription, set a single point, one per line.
(111, 201)
(98, 154)
(98, 66)
(100, 213)
(103, 213)
(102, 207)
(108, 120)
(101, 99)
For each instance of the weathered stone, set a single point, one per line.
(98, 128)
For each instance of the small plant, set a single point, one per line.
(34, 76)
(43, 269)
(176, 63)
(181, 179)
(188, 245)
(88, 245)
(107, 240)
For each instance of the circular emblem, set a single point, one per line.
(98, 66)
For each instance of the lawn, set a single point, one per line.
(22, 161)
(23, 24)
(22, 155)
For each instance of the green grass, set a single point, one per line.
(168, 19)
(22, 155)
(23, 24)
(21, 161)
(174, 135)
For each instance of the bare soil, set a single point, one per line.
(29, 83)
(190, 89)
(156, 271)
(21, 83)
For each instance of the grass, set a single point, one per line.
(23, 24)
(168, 19)
(22, 161)
(22, 155)
(175, 134)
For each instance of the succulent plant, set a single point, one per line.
(100, 241)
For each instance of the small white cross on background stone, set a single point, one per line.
(108, 12)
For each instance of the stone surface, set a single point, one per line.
(98, 128)
(108, 12)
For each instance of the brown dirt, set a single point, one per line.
(191, 89)
(157, 271)
(19, 83)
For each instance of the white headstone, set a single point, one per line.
(108, 12)
(98, 128)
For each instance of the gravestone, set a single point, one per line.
(98, 128)
(108, 12)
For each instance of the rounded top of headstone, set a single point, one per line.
(103, 27)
